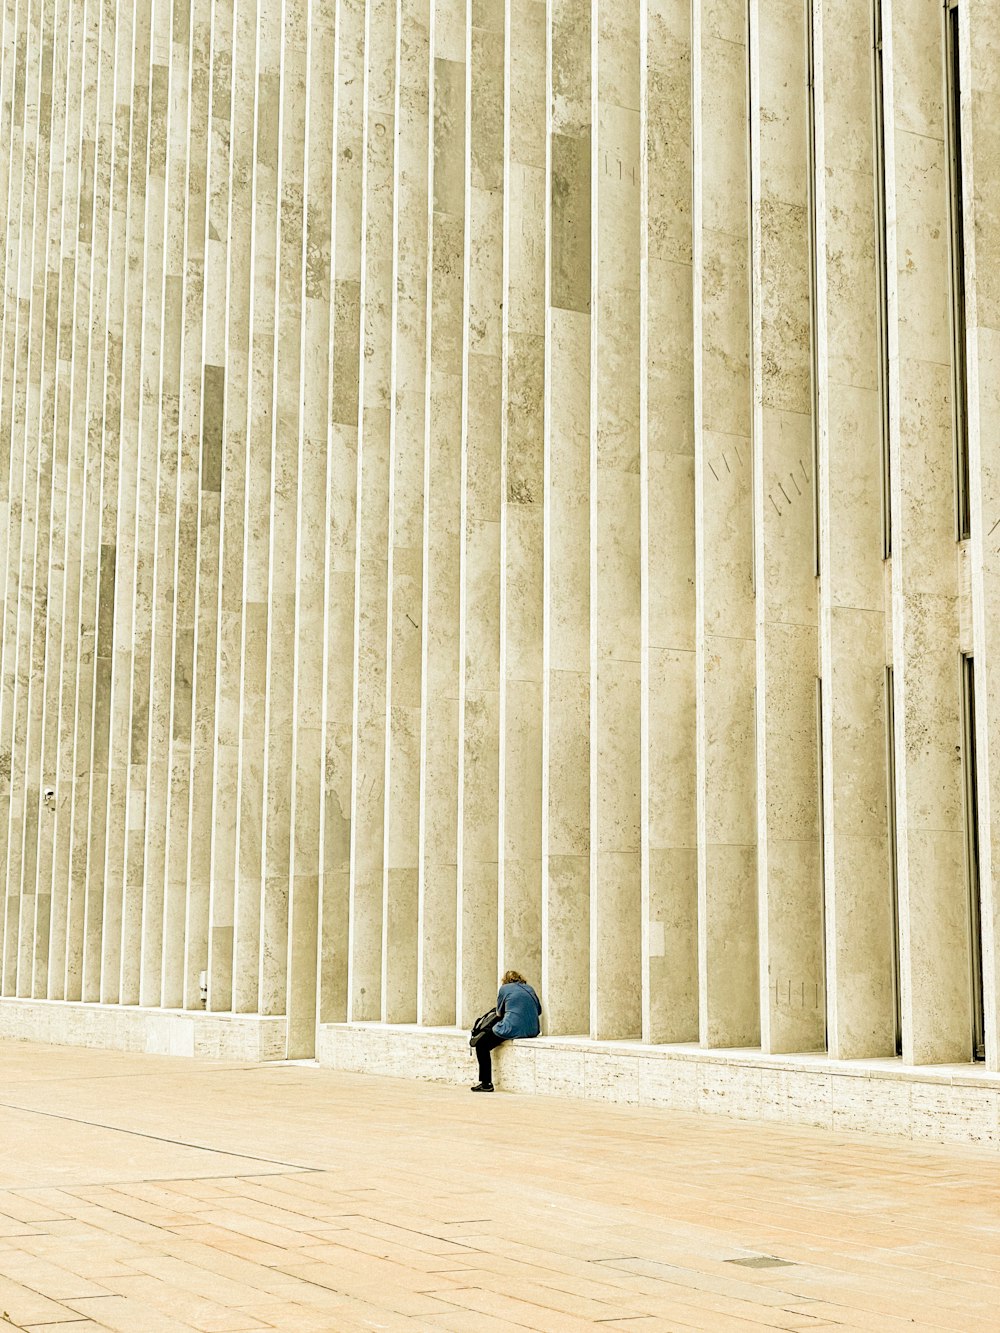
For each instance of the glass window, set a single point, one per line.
(890, 772)
(972, 856)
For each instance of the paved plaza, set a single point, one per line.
(152, 1194)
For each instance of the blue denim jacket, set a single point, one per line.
(520, 1007)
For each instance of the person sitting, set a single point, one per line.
(519, 1009)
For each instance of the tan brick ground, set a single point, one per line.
(148, 1194)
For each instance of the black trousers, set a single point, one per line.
(484, 1054)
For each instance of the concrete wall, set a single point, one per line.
(441, 514)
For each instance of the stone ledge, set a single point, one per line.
(942, 1104)
(211, 1036)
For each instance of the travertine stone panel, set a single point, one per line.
(26, 447)
(793, 1010)
(287, 458)
(184, 944)
(951, 1106)
(235, 391)
(116, 506)
(14, 73)
(441, 558)
(480, 629)
(217, 54)
(155, 540)
(36, 518)
(566, 933)
(667, 734)
(34, 464)
(300, 1001)
(103, 441)
(615, 634)
(933, 900)
(344, 359)
(80, 697)
(133, 97)
(440, 448)
(522, 493)
(256, 521)
(400, 910)
(144, 832)
(171, 54)
(859, 926)
(49, 574)
(244, 1037)
(63, 596)
(144, 375)
(368, 788)
(724, 615)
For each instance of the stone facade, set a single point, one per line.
(502, 484)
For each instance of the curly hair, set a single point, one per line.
(508, 977)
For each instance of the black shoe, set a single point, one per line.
(482, 1087)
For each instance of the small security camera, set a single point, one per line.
(49, 798)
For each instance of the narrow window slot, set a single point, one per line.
(972, 856)
(890, 772)
(822, 856)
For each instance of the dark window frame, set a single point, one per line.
(970, 802)
(890, 773)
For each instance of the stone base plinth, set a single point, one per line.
(935, 1103)
(152, 1031)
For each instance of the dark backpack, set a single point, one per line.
(483, 1024)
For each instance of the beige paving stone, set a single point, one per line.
(244, 1223)
(473, 1322)
(107, 1219)
(531, 1265)
(281, 1218)
(77, 1326)
(10, 1227)
(251, 1278)
(19, 1209)
(369, 1245)
(540, 1293)
(340, 1307)
(193, 1311)
(91, 1255)
(860, 1319)
(181, 1276)
(378, 1282)
(54, 1280)
(127, 1315)
(411, 1239)
(21, 1305)
(526, 1313)
(279, 1201)
(232, 1242)
(289, 1314)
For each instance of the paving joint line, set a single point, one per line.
(160, 1138)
